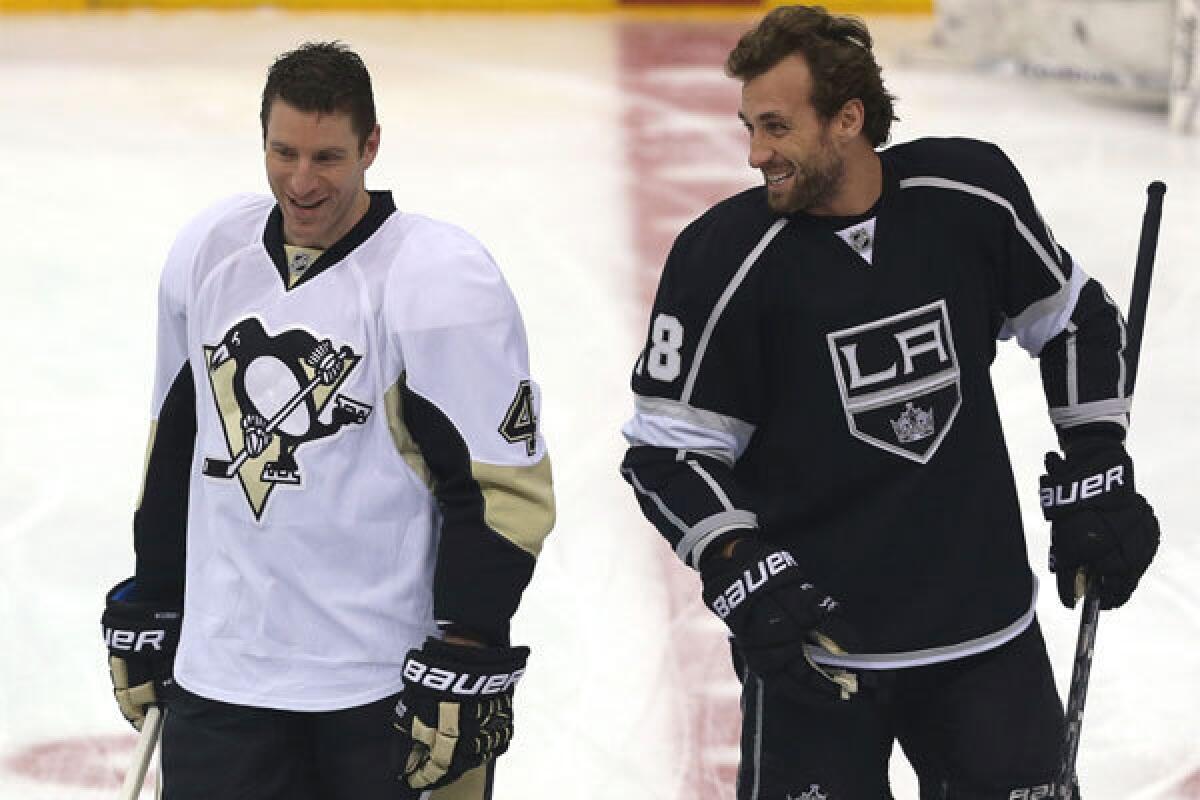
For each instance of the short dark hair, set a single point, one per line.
(324, 77)
(838, 52)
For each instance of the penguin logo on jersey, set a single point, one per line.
(899, 380)
(275, 393)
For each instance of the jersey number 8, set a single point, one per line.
(666, 337)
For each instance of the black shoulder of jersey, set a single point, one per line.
(971, 161)
(728, 230)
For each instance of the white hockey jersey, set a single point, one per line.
(358, 454)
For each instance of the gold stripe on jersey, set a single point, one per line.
(518, 501)
(393, 401)
(473, 785)
(146, 462)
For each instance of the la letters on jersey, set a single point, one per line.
(899, 380)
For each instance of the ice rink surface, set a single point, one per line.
(575, 148)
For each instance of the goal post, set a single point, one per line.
(1137, 51)
(1183, 109)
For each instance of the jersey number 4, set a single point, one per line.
(520, 423)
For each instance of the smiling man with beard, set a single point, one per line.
(816, 433)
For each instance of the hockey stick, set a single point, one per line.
(136, 776)
(219, 468)
(1085, 645)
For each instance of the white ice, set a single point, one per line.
(115, 128)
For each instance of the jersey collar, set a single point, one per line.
(382, 206)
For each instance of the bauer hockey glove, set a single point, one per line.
(455, 712)
(141, 639)
(773, 611)
(1100, 525)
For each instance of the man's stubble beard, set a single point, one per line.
(815, 184)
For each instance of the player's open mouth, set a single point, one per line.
(775, 180)
(305, 206)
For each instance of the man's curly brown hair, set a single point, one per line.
(837, 50)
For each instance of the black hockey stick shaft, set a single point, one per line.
(1140, 296)
(1085, 644)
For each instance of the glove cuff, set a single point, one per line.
(1090, 436)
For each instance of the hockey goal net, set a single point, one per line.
(1143, 51)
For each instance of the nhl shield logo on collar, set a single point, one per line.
(899, 380)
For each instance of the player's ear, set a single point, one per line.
(370, 147)
(849, 120)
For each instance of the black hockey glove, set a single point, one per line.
(1099, 524)
(455, 712)
(141, 639)
(773, 611)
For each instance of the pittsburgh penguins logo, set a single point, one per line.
(274, 394)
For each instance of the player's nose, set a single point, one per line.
(303, 179)
(759, 155)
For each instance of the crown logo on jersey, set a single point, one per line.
(814, 793)
(913, 425)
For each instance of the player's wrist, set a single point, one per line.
(722, 547)
(1090, 436)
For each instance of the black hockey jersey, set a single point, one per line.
(824, 383)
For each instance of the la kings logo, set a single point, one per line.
(273, 394)
(899, 380)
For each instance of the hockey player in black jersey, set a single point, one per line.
(342, 630)
(816, 433)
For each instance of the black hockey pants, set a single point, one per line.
(986, 727)
(219, 750)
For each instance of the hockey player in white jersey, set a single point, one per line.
(346, 486)
(816, 433)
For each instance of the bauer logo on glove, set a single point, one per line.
(137, 641)
(1060, 495)
(461, 683)
(751, 580)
